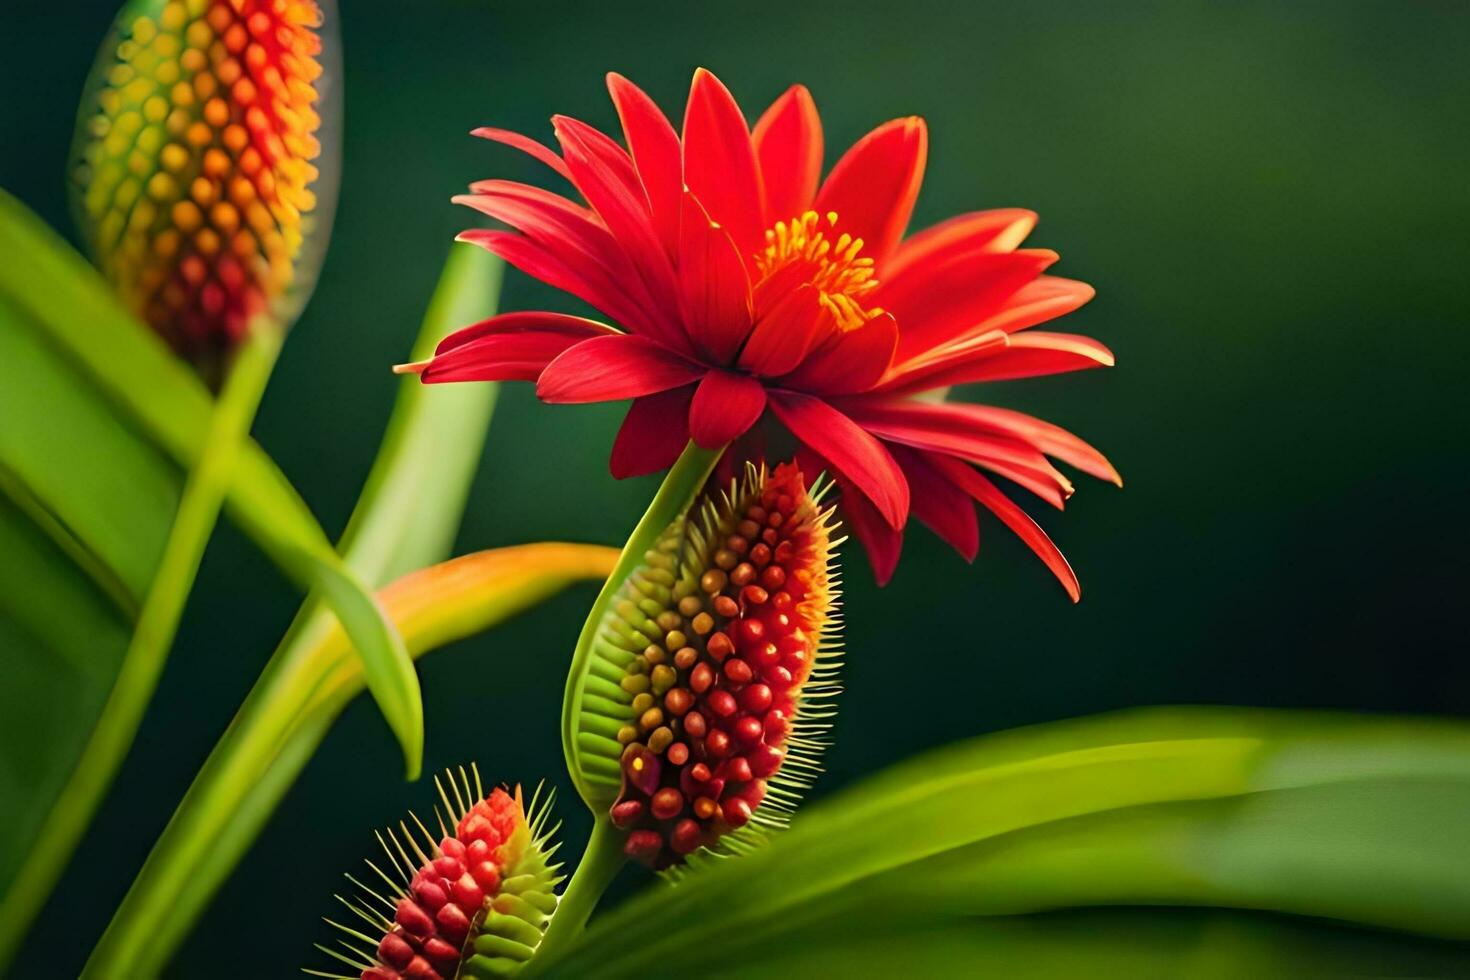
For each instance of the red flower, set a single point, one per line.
(743, 284)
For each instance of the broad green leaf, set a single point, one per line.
(1302, 813)
(112, 732)
(86, 504)
(57, 436)
(62, 639)
(406, 518)
(1147, 944)
(57, 291)
(92, 408)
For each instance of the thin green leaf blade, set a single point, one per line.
(111, 734)
(411, 505)
(406, 518)
(387, 667)
(1143, 943)
(59, 291)
(1335, 778)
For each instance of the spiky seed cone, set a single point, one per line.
(472, 905)
(701, 713)
(198, 162)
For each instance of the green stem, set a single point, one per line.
(684, 481)
(199, 506)
(600, 863)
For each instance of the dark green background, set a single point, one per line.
(1271, 200)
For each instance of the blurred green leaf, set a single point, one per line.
(59, 436)
(62, 640)
(92, 407)
(114, 727)
(1358, 819)
(1137, 943)
(57, 291)
(406, 518)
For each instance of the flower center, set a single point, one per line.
(842, 276)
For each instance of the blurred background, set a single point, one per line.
(1272, 202)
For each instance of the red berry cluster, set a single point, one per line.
(714, 703)
(446, 897)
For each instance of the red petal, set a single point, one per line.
(1000, 230)
(1045, 298)
(655, 149)
(788, 144)
(1050, 439)
(937, 368)
(853, 452)
(509, 347)
(874, 186)
(943, 507)
(539, 262)
(654, 433)
(713, 288)
(785, 335)
(882, 543)
(952, 363)
(850, 362)
(574, 235)
(725, 405)
(609, 368)
(719, 162)
(605, 176)
(523, 322)
(947, 300)
(946, 428)
(1037, 353)
(526, 145)
(1012, 516)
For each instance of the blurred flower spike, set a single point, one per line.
(747, 293)
(714, 670)
(473, 905)
(198, 167)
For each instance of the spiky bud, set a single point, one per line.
(474, 904)
(198, 162)
(697, 721)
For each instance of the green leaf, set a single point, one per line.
(53, 288)
(86, 504)
(407, 517)
(115, 726)
(74, 309)
(96, 420)
(114, 530)
(1358, 819)
(1156, 942)
(62, 640)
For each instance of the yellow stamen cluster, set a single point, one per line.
(840, 274)
(195, 163)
